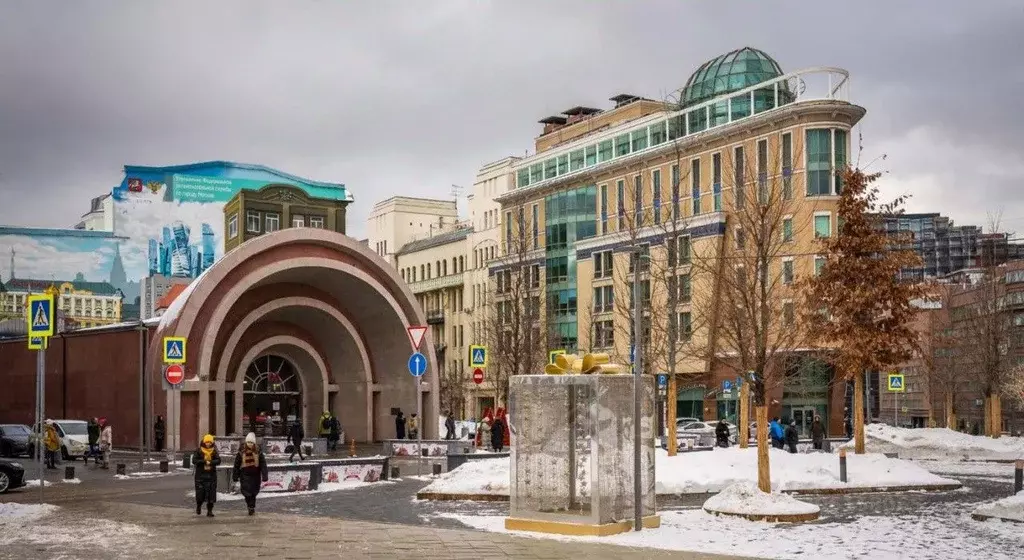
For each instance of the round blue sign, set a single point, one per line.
(417, 364)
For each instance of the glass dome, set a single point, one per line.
(729, 72)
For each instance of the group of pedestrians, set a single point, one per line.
(787, 438)
(249, 471)
(406, 428)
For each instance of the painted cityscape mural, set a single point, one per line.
(59, 255)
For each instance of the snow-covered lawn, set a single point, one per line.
(54, 533)
(939, 444)
(1008, 508)
(711, 471)
(323, 488)
(871, 537)
(744, 498)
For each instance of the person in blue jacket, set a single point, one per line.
(777, 433)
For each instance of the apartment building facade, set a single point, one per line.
(675, 182)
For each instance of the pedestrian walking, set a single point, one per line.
(449, 426)
(400, 425)
(159, 431)
(776, 432)
(414, 426)
(792, 436)
(93, 430)
(848, 424)
(722, 433)
(333, 432)
(106, 441)
(498, 434)
(295, 437)
(324, 427)
(817, 433)
(51, 441)
(250, 471)
(205, 462)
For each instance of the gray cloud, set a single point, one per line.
(397, 97)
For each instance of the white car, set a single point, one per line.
(74, 438)
(704, 429)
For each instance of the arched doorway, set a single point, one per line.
(271, 396)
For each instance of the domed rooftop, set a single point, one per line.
(729, 72)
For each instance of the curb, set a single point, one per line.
(981, 517)
(773, 518)
(810, 491)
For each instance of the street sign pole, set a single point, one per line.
(41, 415)
(637, 372)
(419, 429)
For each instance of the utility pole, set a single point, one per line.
(638, 362)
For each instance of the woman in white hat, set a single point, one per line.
(250, 471)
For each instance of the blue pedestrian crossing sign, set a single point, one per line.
(417, 364)
(477, 356)
(174, 349)
(40, 315)
(896, 384)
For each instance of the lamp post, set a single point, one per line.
(637, 255)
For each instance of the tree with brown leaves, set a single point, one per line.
(857, 306)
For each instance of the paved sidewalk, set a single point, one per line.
(175, 533)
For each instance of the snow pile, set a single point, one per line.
(744, 498)
(484, 476)
(71, 481)
(34, 483)
(713, 471)
(1011, 508)
(938, 443)
(13, 513)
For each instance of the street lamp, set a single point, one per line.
(637, 254)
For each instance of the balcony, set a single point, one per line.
(435, 316)
(429, 285)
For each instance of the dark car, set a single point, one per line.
(14, 440)
(12, 475)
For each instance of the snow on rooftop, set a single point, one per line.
(179, 302)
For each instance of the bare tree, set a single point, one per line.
(936, 349)
(513, 310)
(747, 277)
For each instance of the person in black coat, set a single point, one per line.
(792, 436)
(250, 471)
(449, 426)
(159, 430)
(722, 433)
(295, 437)
(818, 433)
(205, 462)
(498, 434)
(400, 425)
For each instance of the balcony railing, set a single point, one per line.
(435, 316)
(449, 281)
(655, 132)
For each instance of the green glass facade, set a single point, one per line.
(731, 72)
(569, 216)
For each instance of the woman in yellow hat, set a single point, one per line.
(205, 461)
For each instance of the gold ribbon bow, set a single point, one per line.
(589, 363)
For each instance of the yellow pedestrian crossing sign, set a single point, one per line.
(174, 349)
(477, 356)
(40, 315)
(896, 384)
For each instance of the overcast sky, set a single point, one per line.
(410, 97)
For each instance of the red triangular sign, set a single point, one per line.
(416, 335)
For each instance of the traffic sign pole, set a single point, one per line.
(41, 415)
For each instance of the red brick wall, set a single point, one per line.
(87, 375)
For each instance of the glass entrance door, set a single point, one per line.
(804, 417)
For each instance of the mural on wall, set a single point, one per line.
(173, 218)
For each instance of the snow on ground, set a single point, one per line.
(1007, 508)
(143, 474)
(744, 498)
(711, 471)
(461, 426)
(872, 537)
(938, 443)
(324, 487)
(34, 483)
(71, 481)
(484, 476)
(969, 468)
(55, 533)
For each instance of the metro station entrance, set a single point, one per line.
(272, 396)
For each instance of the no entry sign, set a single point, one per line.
(174, 374)
(478, 376)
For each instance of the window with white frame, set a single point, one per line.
(656, 194)
(604, 299)
(787, 229)
(695, 185)
(762, 171)
(272, 222)
(233, 226)
(604, 334)
(298, 220)
(788, 313)
(822, 225)
(787, 270)
(644, 257)
(684, 326)
(252, 221)
(679, 251)
(819, 263)
(603, 264)
(318, 222)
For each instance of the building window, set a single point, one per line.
(604, 209)
(675, 192)
(738, 176)
(638, 201)
(622, 145)
(620, 188)
(819, 264)
(819, 165)
(535, 276)
(685, 326)
(273, 222)
(741, 239)
(603, 264)
(788, 314)
(508, 232)
(679, 251)
(604, 151)
(233, 226)
(716, 181)
(536, 226)
(576, 160)
(656, 194)
(839, 158)
(685, 289)
(639, 139)
(787, 166)
(252, 221)
(298, 221)
(644, 257)
(657, 133)
(787, 271)
(604, 334)
(695, 185)
(590, 155)
(318, 222)
(762, 171)
(822, 226)
(645, 294)
(604, 299)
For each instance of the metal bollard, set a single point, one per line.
(121, 468)
(424, 452)
(164, 466)
(842, 465)
(395, 473)
(1018, 476)
(69, 473)
(436, 469)
(186, 461)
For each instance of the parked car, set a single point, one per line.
(74, 439)
(705, 429)
(15, 440)
(12, 475)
